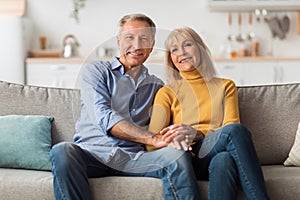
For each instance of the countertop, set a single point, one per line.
(56, 60)
(259, 58)
(238, 59)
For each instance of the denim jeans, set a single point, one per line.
(72, 166)
(227, 158)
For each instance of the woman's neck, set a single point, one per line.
(191, 75)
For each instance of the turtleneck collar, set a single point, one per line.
(191, 75)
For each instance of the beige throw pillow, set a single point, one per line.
(294, 155)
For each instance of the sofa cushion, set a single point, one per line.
(36, 185)
(294, 155)
(282, 182)
(271, 113)
(25, 141)
(26, 184)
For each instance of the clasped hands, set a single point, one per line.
(179, 136)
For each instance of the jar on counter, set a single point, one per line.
(254, 48)
(238, 49)
(242, 49)
(234, 49)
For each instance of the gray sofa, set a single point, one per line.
(270, 112)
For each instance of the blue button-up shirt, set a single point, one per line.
(109, 95)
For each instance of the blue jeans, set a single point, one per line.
(227, 157)
(72, 166)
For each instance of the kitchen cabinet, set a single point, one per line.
(250, 5)
(287, 71)
(259, 72)
(64, 73)
(61, 73)
(231, 70)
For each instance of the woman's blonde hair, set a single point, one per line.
(206, 66)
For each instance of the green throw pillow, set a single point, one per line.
(25, 141)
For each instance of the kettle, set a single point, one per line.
(70, 46)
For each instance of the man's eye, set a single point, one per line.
(145, 38)
(129, 37)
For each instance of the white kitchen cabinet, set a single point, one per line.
(231, 70)
(259, 72)
(287, 72)
(246, 73)
(250, 5)
(58, 74)
(64, 73)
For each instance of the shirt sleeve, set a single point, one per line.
(231, 108)
(96, 97)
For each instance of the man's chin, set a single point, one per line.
(136, 61)
(132, 60)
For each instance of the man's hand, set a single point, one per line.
(180, 136)
(128, 131)
(158, 142)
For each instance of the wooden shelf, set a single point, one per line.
(298, 22)
(251, 5)
(259, 58)
(56, 60)
(12, 7)
(78, 60)
(84, 60)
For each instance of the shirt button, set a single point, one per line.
(133, 110)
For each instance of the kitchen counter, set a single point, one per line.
(259, 58)
(78, 60)
(56, 60)
(238, 59)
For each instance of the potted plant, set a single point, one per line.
(77, 5)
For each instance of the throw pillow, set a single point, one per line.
(25, 141)
(294, 155)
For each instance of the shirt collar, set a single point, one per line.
(116, 64)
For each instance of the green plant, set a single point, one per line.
(77, 5)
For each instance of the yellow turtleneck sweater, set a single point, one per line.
(205, 105)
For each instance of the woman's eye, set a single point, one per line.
(188, 44)
(173, 50)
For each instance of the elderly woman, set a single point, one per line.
(198, 112)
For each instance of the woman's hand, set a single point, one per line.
(179, 136)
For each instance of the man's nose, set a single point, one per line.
(137, 43)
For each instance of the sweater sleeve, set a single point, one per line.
(231, 108)
(161, 112)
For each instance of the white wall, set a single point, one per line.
(11, 49)
(99, 23)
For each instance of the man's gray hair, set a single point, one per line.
(138, 17)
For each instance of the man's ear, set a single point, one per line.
(153, 43)
(118, 41)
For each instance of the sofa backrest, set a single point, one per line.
(62, 104)
(271, 113)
